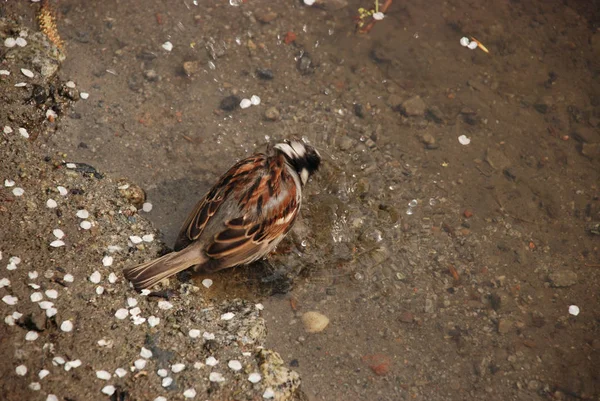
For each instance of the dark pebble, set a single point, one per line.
(264, 73)
(294, 363)
(230, 103)
(359, 110)
(541, 108)
(305, 64)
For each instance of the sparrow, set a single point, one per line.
(242, 218)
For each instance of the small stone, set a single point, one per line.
(406, 317)
(591, 150)
(211, 361)
(18, 191)
(107, 261)
(189, 393)
(84, 95)
(21, 370)
(83, 214)
(153, 321)
(178, 367)
(140, 364)
(120, 372)
(563, 278)
(162, 372)
(147, 207)
(227, 316)
(43, 373)
(167, 381)
(95, 277)
(207, 282)
(428, 140)
(314, 322)
(86, 225)
(51, 204)
(265, 16)
(255, 100)
(230, 103)
(192, 67)
(168, 46)
(264, 73)
(31, 336)
(121, 313)
(504, 326)
(414, 107)
(269, 393)
(151, 75)
(194, 333)
(145, 353)
(272, 114)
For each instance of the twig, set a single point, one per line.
(371, 24)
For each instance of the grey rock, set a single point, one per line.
(272, 114)
(414, 107)
(591, 150)
(504, 326)
(563, 278)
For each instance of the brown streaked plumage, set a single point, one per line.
(241, 219)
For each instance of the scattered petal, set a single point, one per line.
(51, 397)
(31, 336)
(10, 300)
(178, 367)
(83, 214)
(227, 316)
(131, 302)
(86, 225)
(107, 261)
(4, 282)
(103, 375)
(135, 311)
(121, 313)
(27, 73)
(70, 84)
(66, 326)
(140, 364)
(464, 140)
(135, 239)
(43, 373)
(259, 306)
(62, 190)
(168, 46)
(472, 45)
(235, 365)
(51, 204)
(160, 398)
(45, 305)
(10, 42)
(18, 191)
(51, 312)
(574, 310)
(5, 72)
(147, 207)
(95, 277)
(255, 100)
(378, 16)
(21, 85)
(72, 364)
(58, 360)
(145, 353)
(9, 183)
(153, 321)
(84, 95)
(309, 2)
(164, 305)
(23, 132)
(464, 41)
(105, 343)
(57, 243)
(254, 377)
(109, 390)
(36, 297)
(207, 282)
(21, 42)
(58, 233)
(71, 165)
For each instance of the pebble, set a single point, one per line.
(58, 233)
(43, 373)
(162, 372)
(135, 239)
(21, 370)
(86, 225)
(192, 67)
(269, 393)
(145, 353)
(207, 282)
(314, 322)
(18, 191)
(563, 278)
(10, 42)
(51, 204)
(147, 207)
(140, 364)
(167, 381)
(255, 100)
(57, 243)
(414, 107)
(574, 310)
(194, 333)
(120, 372)
(121, 313)
(168, 46)
(504, 326)
(52, 294)
(107, 261)
(35, 386)
(211, 361)
(463, 140)
(264, 73)
(164, 305)
(189, 393)
(83, 214)
(272, 114)
(229, 103)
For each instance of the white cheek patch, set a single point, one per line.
(304, 176)
(299, 148)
